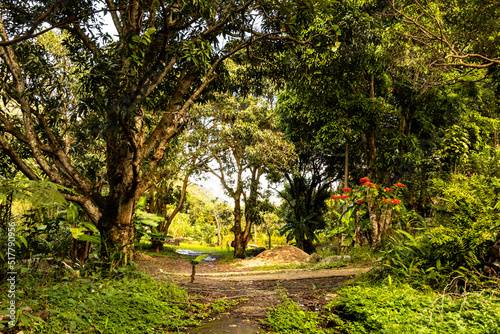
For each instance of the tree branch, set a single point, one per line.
(114, 16)
(30, 33)
(18, 161)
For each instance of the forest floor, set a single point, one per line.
(255, 291)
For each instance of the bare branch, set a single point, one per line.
(114, 17)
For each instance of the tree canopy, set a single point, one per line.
(126, 96)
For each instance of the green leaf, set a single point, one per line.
(35, 318)
(72, 213)
(23, 240)
(198, 259)
(90, 226)
(77, 231)
(92, 238)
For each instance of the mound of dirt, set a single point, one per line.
(285, 254)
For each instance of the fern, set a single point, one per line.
(454, 249)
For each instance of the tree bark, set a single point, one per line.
(240, 239)
(346, 166)
(117, 229)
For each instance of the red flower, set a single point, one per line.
(335, 197)
(385, 200)
(376, 186)
(388, 189)
(346, 189)
(364, 179)
(400, 185)
(344, 196)
(395, 201)
(368, 183)
(360, 201)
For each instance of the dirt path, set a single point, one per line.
(256, 291)
(286, 274)
(257, 294)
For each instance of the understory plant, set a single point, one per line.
(289, 318)
(454, 247)
(367, 213)
(134, 304)
(402, 309)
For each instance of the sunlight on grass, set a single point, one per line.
(199, 248)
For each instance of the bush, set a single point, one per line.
(131, 305)
(401, 309)
(465, 225)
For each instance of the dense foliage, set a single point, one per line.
(133, 304)
(400, 309)
(390, 309)
(376, 123)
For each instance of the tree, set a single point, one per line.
(305, 194)
(241, 143)
(221, 212)
(456, 33)
(131, 91)
(343, 97)
(270, 225)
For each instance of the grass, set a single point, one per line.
(199, 248)
(162, 254)
(293, 265)
(289, 318)
(135, 304)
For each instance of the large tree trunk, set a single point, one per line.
(371, 152)
(117, 227)
(239, 243)
(241, 236)
(368, 138)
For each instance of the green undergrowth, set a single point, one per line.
(331, 265)
(391, 309)
(289, 318)
(129, 305)
(402, 309)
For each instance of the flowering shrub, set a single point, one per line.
(370, 192)
(368, 209)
